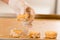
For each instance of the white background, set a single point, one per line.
(5, 10)
(40, 7)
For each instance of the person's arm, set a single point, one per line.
(5, 1)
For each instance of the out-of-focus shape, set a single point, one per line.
(33, 34)
(50, 34)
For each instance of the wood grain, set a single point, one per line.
(41, 25)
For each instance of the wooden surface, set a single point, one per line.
(49, 16)
(41, 25)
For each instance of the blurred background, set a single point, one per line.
(41, 7)
(46, 9)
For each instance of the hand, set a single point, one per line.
(5, 1)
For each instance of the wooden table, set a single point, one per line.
(41, 25)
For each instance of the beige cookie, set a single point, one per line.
(51, 34)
